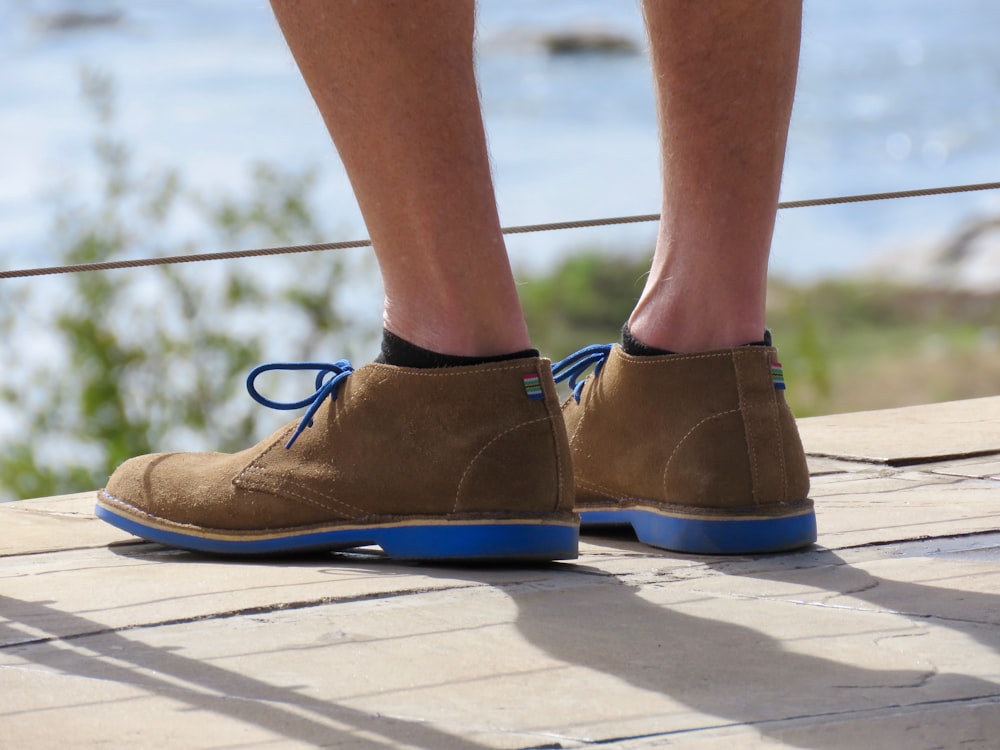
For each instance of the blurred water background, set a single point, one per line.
(893, 95)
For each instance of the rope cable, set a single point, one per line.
(524, 229)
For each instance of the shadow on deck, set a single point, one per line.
(886, 634)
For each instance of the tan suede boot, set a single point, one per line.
(699, 452)
(450, 463)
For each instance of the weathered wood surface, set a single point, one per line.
(887, 634)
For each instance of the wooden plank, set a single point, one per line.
(886, 506)
(775, 649)
(907, 435)
(885, 634)
(129, 584)
(53, 524)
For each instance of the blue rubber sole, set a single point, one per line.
(710, 537)
(451, 540)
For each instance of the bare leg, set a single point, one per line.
(701, 453)
(725, 74)
(395, 84)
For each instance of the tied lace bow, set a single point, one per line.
(573, 366)
(329, 376)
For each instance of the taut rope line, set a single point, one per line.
(524, 229)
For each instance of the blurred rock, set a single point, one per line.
(967, 261)
(76, 20)
(588, 42)
(581, 40)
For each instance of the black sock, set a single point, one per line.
(636, 348)
(401, 353)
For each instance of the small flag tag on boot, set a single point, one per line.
(533, 387)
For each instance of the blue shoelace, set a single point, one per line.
(573, 366)
(329, 376)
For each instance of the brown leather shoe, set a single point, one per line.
(450, 463)
(698, 452)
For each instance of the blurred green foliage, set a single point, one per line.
(845, 344)
(109, 365)
(585, 300)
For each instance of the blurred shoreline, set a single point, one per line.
(897, 95)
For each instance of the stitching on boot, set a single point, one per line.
(450, 372)
(280, 488)
(659, 360)
(163, 522)
(284, 489)
(125, 503)
(555, 415)
(607, 491)
(578, 481)
(778, 438)
(137, 511)
(579, 422)
(769, 355)
(468, 468)
(751, 442)
(689, 433)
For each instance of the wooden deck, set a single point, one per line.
(885, 635)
